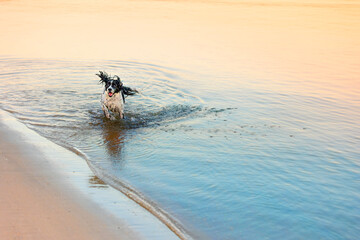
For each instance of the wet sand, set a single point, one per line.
(48, 192)
(36, 203)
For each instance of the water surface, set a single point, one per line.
(247, 125)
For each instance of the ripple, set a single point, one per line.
(208, 160)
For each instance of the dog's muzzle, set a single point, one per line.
(110, 92)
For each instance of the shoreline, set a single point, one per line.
(49, 192)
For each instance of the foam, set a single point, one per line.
(76, 172)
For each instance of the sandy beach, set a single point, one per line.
(245, 124)
(36, 204)
(42, 199)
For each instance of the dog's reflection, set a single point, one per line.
(113, 134)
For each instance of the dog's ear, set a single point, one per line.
(104, 77)
(118, 78)
(129, 91)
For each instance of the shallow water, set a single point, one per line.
(247, 125)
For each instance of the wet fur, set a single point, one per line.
(113, 106)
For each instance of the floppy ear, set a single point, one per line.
(118, 78)
(104, 77)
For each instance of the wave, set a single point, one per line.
(125, 188)
(172, 223)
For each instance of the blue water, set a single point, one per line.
(227, 164)
(247, 121)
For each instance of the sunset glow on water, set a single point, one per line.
(247, 125)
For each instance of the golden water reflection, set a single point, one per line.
(302, 45)
(114, 137)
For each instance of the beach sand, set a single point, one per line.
(36, 204)
(48, 192)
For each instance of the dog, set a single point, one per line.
(113, 97)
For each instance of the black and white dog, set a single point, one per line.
(113, 97)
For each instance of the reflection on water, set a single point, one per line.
(114, 136)
(247, 123)
(301, 38)
(220, 162)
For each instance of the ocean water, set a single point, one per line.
(247, 121)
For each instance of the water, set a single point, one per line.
(247, 125)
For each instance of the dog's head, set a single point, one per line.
(112, 84)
